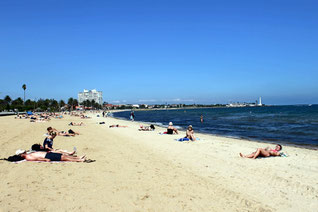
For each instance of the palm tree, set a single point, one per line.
(24, 87)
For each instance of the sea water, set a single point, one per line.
(296, 125)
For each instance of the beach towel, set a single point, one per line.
(283, 154)
(183, 139)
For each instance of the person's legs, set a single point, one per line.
(259, 152)
(264, 153)
(193, 137)
(72, 159)
(247, 156)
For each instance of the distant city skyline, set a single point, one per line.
(153, 52)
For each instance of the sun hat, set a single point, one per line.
(170, 123)
(20, 151)
(190, 126)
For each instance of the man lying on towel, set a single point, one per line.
(48, 156)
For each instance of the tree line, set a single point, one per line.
(7, 104)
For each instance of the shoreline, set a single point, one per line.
(304, 146)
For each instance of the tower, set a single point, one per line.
(260, 101)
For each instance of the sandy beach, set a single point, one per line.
(145, 171)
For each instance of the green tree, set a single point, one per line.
(54, 105)
(93, 104)
(61, 103)
(7, 99)
(75, 102)
(29, 103)
(70, 103)
(17, 102)
(24, 88)
(2, 104)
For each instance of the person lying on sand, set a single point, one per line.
(171, 129)
(116, 125)
(76, 124)
(49, 156)
(40, 148)
(85, 117)
(72, 133)
(62, 133)
(147, 128)
(190, 133)
(264, 152)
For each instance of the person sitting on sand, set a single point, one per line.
(76, 124)
(171, 129)
(190, 133)
(49, 156)
(116, 125)
(40, 148)
(147, 128)
(260, 152)
(48, 141)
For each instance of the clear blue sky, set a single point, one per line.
(173, 51)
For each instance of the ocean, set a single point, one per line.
(296, 125)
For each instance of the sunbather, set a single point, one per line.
(62, 133)
(147, 128)
(171, 129)
(76, 124)
(40, 148)
(48, 156)
(116, 125)
(190, 133)
(260, 152)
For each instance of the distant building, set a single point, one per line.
(90, 95)
(260, 102)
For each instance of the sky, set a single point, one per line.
(164, 51)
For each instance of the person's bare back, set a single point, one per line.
(36, 156)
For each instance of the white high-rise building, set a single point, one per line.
(90, 95)
(260, 101)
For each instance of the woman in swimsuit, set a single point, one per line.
(190, 133)
(171, 129)
(260, 152)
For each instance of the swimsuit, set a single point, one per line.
(170, 131)
(53, 156)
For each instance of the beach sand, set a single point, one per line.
(145, 171)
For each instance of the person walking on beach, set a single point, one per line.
(132, 116)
